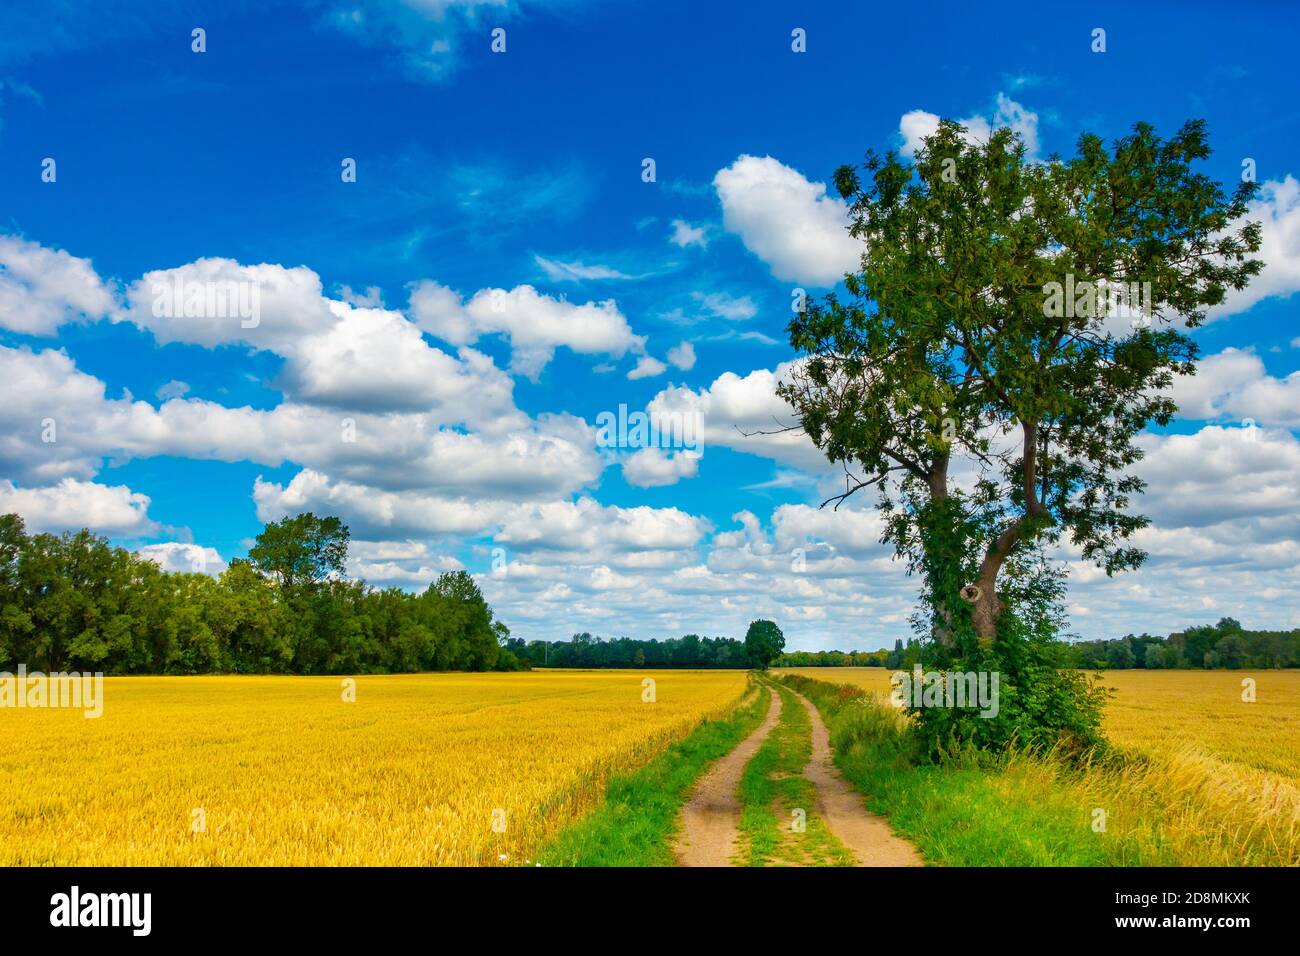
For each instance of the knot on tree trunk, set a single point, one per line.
(971, 593)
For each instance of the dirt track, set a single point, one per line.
(710, 820)
(843, 808)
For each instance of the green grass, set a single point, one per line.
(636, 824)
(773, 786)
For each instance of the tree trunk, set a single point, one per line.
(985, 610)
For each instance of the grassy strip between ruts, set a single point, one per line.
(773, 788)
(1021, 809)
(637, 821)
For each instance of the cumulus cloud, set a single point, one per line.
(215, 301)
(184, 557)
(376, 360)
(1221, 475)
(736, 410)
(915, 125)
(654, 467)
(682, 356)
(515, 455)
(647, 366)
(535, 324)
(590, 527)
(71, 505)
(1277, 210)
(373, 512)
(1234, 385)
(406, 563)
(787, 221)
(41, 289)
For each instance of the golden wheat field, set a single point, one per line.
(426, 769)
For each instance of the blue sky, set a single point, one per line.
(522, 172)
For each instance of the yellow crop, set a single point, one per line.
(422, 769)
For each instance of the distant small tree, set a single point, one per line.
(764, 642)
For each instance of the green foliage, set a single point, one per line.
(763, 643)
(72, 601)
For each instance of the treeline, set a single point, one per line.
(587, 650)
(1225, 644)
(833, 659)
(902, 657)
(73, 602)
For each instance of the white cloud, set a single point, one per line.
(374, 359)
(425, 35)
(600, 530)
(1277, 209)
(558, 271)
(682, 356)
(915, 125)
(535, 324)
(406, 563)
(787, 221)
(647, 367)
(1220, 475)
(375, 513)
(654, 467)
(172, 389)
(1234, 385)
(184, 557)
(213, 302)
(71, 505)
(41, 289)
(509, 454)
(724, 306)
(736, 409)
(684, 234)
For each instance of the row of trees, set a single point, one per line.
(761, 647)
(902, 657)
(73, 602)
(1225, 644)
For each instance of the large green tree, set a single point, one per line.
(1012, 328)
